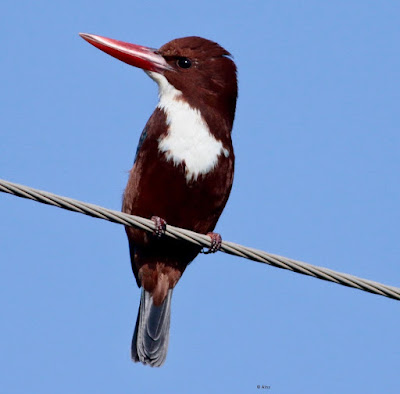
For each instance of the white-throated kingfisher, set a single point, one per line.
(182, 173)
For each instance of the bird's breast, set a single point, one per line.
(188, 139)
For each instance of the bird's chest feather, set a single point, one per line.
(188, 139)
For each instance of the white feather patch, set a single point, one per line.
(188, 139)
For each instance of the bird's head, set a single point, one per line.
(199, 68)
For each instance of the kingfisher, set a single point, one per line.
(182, 173)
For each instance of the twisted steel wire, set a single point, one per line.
(200, 239)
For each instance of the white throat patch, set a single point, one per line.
(188, 138)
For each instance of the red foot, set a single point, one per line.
(161, 226)
(216, 241)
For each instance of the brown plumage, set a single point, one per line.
(201, 74)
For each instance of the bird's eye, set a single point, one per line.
(184, 62)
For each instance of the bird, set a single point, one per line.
(182, 172)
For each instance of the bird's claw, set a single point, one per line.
(161, 226)
(216, 241)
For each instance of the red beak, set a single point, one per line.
(135, 55)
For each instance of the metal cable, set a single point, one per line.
(200, 239)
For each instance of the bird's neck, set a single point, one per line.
(188, 139)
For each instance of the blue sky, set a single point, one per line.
(317, 143)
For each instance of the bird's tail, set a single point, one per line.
(151, 336)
